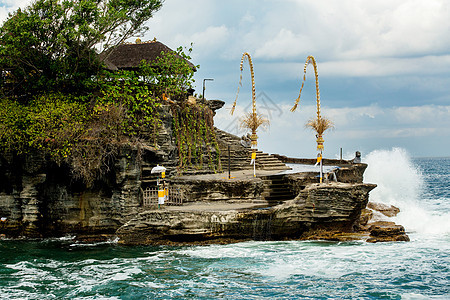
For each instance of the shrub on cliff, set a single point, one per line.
(50, 123)
(66, 129)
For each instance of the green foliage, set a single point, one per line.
(170, 73)
(125, 89)
(95, 150)
(50, 45)
(56, 122)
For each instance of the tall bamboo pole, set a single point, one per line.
(253, 125)
(320, 124)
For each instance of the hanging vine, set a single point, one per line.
(193, 127)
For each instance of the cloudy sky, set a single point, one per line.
(384, 68)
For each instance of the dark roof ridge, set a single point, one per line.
(130, 55)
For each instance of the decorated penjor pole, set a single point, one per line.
(251, 120)
(319, 124)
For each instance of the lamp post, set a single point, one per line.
(209, 79)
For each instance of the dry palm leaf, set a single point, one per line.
(320, 124)
(253, 121)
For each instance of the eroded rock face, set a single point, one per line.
(325, 206)
(219, 190)
(159, 226)
(39, 198)
(353, 173)
(366, 215)
(330, 205)
(42, 199)
(375, 222)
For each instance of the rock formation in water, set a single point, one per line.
(380, 228)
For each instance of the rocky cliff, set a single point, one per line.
(39, 198)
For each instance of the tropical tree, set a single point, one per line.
(170, 73)
(52, 44)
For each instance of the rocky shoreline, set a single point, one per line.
(332, 211)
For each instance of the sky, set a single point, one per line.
(384, 68)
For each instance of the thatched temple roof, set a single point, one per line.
(129, 56)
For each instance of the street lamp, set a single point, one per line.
(209, 79)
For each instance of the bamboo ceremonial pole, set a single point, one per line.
(320, 124)
(252, 120)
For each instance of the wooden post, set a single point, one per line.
(229, 163)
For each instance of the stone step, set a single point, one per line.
(269, 164)
(276, 168)
(266, 157)
(278, 186)
(276, 189)
(278, 199)
(235, 156)
(279, 191)
(235, 159)
(283, 194)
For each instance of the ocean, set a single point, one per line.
(420, 269)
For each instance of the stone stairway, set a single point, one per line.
(237, 154)
(276, 190)
(240, 156)
(265, 161)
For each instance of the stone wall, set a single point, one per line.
(205, 190)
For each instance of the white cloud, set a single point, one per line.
(387, 66)
(9, 6)
(438, 116)
(207, 41)
(385, 127)
(349, 37)
(285, 45)
(374, 67)
(361, 29)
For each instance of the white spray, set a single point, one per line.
(400, 183)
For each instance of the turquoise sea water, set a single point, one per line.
(420, 269)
